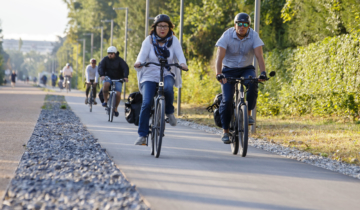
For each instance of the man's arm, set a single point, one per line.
(125, 68)
(219, 59)
(260, 58)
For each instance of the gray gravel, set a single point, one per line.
(288, 152)
(64, 168)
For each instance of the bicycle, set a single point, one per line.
(91, 99)
(239, 128)
(112, 99)
(157, 114)
(67, 83)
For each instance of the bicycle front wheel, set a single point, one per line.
(152, 133)
(243, 129)
(90, 102)
(159, 126)
(234, 135)
(109, 106)
(112, 104)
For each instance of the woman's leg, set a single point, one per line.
(169, 94)
(148, 90)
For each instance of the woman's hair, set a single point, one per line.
(153, 26)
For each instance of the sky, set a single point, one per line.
(38, 20)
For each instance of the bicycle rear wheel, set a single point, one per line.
(152, 133)
(159, 126)
(243, 129)
(234, 135)
(112, 104)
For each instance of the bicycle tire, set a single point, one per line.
(91, 100)
(109, 107)
(152, 134)
(112, 104)
(159, 126)
(243, 126)
(234, 137)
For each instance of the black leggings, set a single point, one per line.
(88, 88)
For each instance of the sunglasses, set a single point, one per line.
(242, 24)
(111, 53)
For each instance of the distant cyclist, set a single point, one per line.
(160, 44)
(115, 68)
(67, 73)
(53, 79)
(92, 75)
(236, 49)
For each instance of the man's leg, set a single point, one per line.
(87, 89)
(106, 91)
(118, 88)
(252, 90)
(226, 105)
(94, 90)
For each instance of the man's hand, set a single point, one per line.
(137, 65)
(126, 79)
(102, 78)
(221, 78)
(263, 76)
(184, 66)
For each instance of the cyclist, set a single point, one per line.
(160, 44)
(67, 73)
(236, 49)
(92, 75)
(115, 68)
(53, 80)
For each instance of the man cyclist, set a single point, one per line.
(67, 73)
(92, 75)
(236, 49)
(115, 68)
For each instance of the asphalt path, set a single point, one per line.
(197, 171)
(19, 111)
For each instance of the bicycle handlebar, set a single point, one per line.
(114, 80)
(166, 65)
(242, 79)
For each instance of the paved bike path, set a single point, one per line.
(19, 110)
(197, 171)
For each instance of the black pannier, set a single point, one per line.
(214, 108)
(133, 108)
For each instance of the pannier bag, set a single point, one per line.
(101, 94)
(133, 108)
(214, 108)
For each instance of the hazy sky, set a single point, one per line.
(33, 19)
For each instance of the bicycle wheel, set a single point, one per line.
(159, 126)
(243, 129)
(109, 106)
(90, 103)
(112, 104)
(234, 135)
(152, 132)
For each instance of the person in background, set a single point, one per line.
(92, 75)
(13, 78)
(53, 80)
(67, 73)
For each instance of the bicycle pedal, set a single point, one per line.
(167, 120)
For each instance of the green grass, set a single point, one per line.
(336, 138)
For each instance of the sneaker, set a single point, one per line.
(116, 114)
(251, 120)
(95, 101)
(86, 100)
(104, 104)
(141, 140)
(226, 138)
(172, 119)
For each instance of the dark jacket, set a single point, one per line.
(114, 68)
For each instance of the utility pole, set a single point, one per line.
(126, 30)
(257, 29)
(101, 40)
(112, 29)
(92, 42)
(147, 18)
(83, 69)
(181, 41)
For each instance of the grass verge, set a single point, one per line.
(326, 136)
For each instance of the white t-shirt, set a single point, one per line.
(67, 71)
(91, 73)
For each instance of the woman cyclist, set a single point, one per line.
(160, 44)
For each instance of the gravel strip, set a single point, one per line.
(64, 168)
(292, 153)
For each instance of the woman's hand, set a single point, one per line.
(184, 66)
(137, 65)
